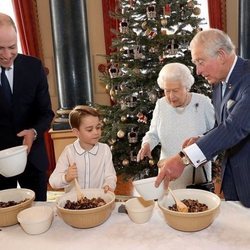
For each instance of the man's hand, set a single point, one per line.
(169, 170)
(28, 137)
(143, 152)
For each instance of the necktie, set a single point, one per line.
(6, 86)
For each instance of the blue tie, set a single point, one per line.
(6, 86)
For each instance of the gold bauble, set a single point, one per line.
(125, 162)
(144, 25)
(120, 134)
(123, 118)
(197, 11)
(164, 22)
(151, 162)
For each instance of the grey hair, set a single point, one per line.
(175, 72)
(212, 40)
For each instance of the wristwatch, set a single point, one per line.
(185, 159)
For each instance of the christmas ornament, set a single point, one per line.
(120, 134)
(123, 26)
(114, 71)
(197, 11)
(133, 136)
(123, 118)
(111, 141)
(125, 162)
(131, 101)
(151, 12)
(133, 155)
(142, 118)
(151, 162)
(167, 10)
(190, 4)
(151, 33)
(164, 22)
(144, 25)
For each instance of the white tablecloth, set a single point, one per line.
(230, 230)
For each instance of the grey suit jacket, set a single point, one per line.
(232, 133)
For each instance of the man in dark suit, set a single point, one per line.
(213, 53)
(28, 114)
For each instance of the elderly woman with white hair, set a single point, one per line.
(179, 115)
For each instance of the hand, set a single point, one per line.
(71, 173)
(170, 169)
(190, 141)
(107, 188)
(144, 151)
(28, 137)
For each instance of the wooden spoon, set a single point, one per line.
(79, 193)
(181, 207)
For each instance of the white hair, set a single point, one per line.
(175, 72)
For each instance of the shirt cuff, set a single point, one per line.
(195, 155)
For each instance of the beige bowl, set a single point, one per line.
(36, 220)
(8, 215)
(13, 160)
(146, 188)
(86, 218)
(190, 221)
(139, 210)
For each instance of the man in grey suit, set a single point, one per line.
(213, 53)
(25, 110)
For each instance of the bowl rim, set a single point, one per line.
(32, 198)
(45, 217)
(14, 150)
(177, 213)
(137, 210)
(144, 181)
(89, 210)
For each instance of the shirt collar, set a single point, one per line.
(231, 69)
(79, 150)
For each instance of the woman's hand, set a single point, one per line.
(190, 141)
(143, 152)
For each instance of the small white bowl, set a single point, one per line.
(146, 188)
(139, 210)
(13, 160)
(36, 220)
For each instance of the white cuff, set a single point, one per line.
(195, 155)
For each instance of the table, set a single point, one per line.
(230, 230)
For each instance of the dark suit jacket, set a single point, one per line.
(232, 133)
(31, 108)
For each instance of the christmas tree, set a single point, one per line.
(151, 34)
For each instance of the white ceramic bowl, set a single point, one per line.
(36, 220)
(8, 215)
(86, 218)
(190, 221)
(139, 210)
(146, 188)
(13, 160)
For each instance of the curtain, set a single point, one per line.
(217, 14)
(28, 29)
(108, 22)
